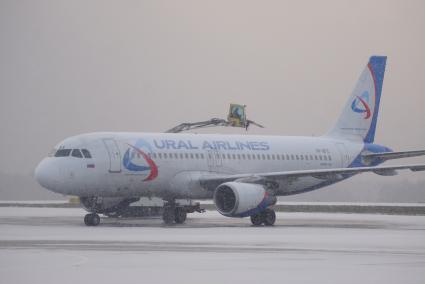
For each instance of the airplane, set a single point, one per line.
(242, 174)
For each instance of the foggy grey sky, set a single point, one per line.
(70, 67)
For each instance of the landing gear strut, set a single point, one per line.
(267, 217)
(91, 219)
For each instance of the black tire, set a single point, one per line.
(180, 215)
(95, 219)
(86, 220)
(269, 217)
(168, 216)
(257, 219)
(92, 219)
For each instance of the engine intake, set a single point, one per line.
(237, 199)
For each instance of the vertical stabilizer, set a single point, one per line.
(358, 119)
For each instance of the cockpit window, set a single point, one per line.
(76, 153)
(52, 152)
(86, 153)
(63, 153)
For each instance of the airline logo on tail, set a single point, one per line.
(360, 104)
(136, 160)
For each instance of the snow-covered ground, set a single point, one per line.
(51, 245)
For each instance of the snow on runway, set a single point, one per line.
(51, 245)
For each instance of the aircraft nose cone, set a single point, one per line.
(46, 174)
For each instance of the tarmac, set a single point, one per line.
(50, 245)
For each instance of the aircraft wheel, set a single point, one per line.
(257, 219)
(269, 217)
(180, 215)
(92, 219)
(168, 215)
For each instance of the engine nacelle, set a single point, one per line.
(238, 199)
(104, 205)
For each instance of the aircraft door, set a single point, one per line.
(214, 159)
(114, 155)
(218, 158)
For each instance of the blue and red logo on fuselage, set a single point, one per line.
(361, 104)
(136, 160)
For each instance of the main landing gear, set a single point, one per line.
(91, 219)
(177, 213)
(266, 217)
(171, 215)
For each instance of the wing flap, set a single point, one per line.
(369, 157)
(212, 181)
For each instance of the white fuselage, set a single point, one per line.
(170, 165)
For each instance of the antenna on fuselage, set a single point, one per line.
(235, 118)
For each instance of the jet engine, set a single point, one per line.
(238, 199)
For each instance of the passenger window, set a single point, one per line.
(186, 155)
(278, 156)
(76, 153)
(233, 156)
(202, 156)
(296, 156)
(320, 157)
(268, 157)
(329, 158)
(292, 157)
(165, 156)
(301, 157)
(311, 157)
(63, 153)
(263, 156)
(86, 153)
(287, 156)
(228, 156)
(176, 156)
(243, 156)
(258, 157)
(196, 155)
(224, 156)
(181, 155)
(315, 157)
(273, 157)
(191, 155)
(239, 156)
(248, 156)
(160, 155)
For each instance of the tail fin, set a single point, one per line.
(358, 119)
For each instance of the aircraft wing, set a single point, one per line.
(369, 157)
(210, 182)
